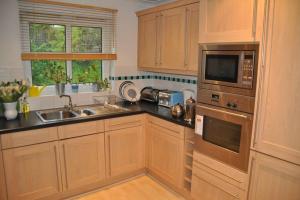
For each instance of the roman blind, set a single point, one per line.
(69, 15)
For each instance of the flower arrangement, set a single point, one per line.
(12, 91)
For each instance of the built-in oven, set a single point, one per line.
(223, 134)
(228, 68)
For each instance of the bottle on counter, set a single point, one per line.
(25, 106)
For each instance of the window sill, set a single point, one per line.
(82, 89)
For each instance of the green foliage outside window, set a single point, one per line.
(46, 72)
(52, 38)
(47, 38)
(86, 71)
(86, 39)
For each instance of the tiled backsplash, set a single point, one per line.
(158, 80)
(173, 78)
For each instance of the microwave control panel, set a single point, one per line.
(247, 76)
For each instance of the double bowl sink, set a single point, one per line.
(78, 112)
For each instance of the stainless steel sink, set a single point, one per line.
(79, 112)
(85, 112)
(56, 115)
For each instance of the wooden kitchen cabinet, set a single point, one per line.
(82, 161)
(172, 41)
(32, 172)
(273, 179)
(148, 41)
(3, 195)
(166, 151)
(277, 124)
(125, 150)
(171, 46)
(224, 21)
(192, 28)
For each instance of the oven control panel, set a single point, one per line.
(227, 100)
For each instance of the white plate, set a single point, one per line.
(131, 93)
(122, 86)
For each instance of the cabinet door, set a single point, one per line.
(166, 155)
(83, 161)
(191, 56)
(147, 41)
(32, 172)
(278, 114)
(173, 32)
(126, 150)
(3, 195)
(273, 179)
(227, 21)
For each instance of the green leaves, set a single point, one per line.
(47, 38)
(48, 72)
(52, 38)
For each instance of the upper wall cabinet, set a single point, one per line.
(229, 20)
(278, 107)
(147, 44)
(168, 38)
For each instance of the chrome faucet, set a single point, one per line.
(70, 106)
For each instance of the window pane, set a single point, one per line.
(86, 71)
(47, 38)
(86, 40)
(48, 72)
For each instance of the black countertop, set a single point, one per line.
(31, 121)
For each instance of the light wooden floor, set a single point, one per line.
(141, 188)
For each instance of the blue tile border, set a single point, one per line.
(155, 77)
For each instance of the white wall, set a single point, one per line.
(10, 46)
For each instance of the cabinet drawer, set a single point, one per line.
(173, 129)
(30, 137)
(80, 129)
(220, 170)
(124, 122)
(208, 186)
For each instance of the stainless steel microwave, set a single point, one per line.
(229, 68)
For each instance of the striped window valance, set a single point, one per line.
(68, 15)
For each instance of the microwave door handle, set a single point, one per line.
(226, 112)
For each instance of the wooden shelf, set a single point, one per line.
(187, 179)
(189, 154)
(188, 167)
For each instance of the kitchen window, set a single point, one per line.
(78, 41)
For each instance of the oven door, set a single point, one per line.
(222, 67)
(223, 135)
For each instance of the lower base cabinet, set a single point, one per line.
(125, 150)
(208, 187)
(82, 161)
(273, 179)
(32, 172)
(165, 153)
(214, 180)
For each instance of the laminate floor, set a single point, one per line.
(141, 188)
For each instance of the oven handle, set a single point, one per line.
(225, 112)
